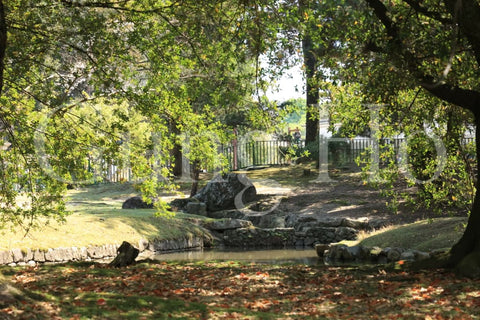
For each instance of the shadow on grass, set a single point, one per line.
(98, 192)
(119, 306)
(232, 290)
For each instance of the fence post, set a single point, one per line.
(323, 175)
(235, 150)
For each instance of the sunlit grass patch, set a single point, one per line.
(425, 235)
(96, 226)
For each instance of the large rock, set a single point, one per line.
(312, 236)
(17, 255)
(393, 254)
(227, 192)
(198, 208)
(180, 204)
(136, 203)
(269, 220)
(342, 253)
(304, 222)
(6, 257)
(126, 255)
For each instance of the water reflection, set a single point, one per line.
(274, 256)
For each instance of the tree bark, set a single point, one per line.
(312, 94)
(3, 47)
(195, 175)
(126, 255)
(3, 43)
(177, 153)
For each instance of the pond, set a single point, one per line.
(267, 256)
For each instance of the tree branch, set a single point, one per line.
(431, 14)
(467, 14)
(115, 5)
(382, 14)
(465, 98)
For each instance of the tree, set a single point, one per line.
(394, 49)
(215, 77)
(310, 33)
(434, 45)
(182, 66)
(59, 55)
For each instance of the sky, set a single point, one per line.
(290, 86)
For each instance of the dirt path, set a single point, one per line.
(347, 197)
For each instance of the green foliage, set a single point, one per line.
(89, 84)
(391, 52)
(431, 161)
(185, 74)
(312, 150)
(183, 68)
(27, 191)
(294, 113)
(346, 107)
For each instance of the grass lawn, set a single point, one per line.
(222, 290)
(97, 219)
(425, 235)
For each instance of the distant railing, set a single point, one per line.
(257, 153)
(109, 172)
(345, 151)
(277, 152)
(341, 152)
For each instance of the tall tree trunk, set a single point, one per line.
(312, 94)
(3, 43)
(195, 175)
(311, 125)
(176, 153)
(4, 124)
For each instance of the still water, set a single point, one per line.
(275, 256)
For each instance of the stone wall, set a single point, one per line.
(56, 255)
(336, 253)
(234, 228)
(258, 237)
(284, 237)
